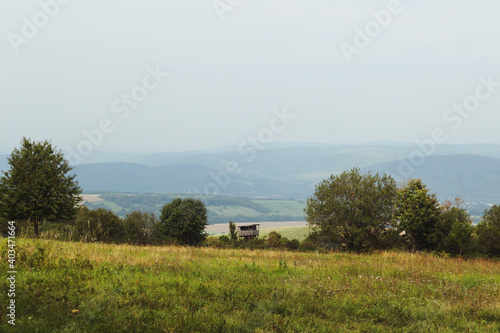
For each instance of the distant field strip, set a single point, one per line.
(289, 207)
(233, 210)
(299, 233)
(224, 227)
(91, 197)
(290, 230)
(219, 208)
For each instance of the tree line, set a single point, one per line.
(362, 212)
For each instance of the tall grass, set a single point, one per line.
(77, 287)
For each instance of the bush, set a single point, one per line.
(139, 228)
(98, 225)
(307, 245)
(317, 240)
(417, 214)
(224, 239)
(63, 230)
(273, 239)
(294, 244)
(212, 241)
(254, 243)
(454, 229)
(488, 232)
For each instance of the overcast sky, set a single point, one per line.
(231, 63)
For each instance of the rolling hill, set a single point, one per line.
(291, 171)
(183, 178)
(474, 178)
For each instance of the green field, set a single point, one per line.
(112, 206)
(299, 233)
(220, 208)
(232, 211)
(77, 287)
(285, 207)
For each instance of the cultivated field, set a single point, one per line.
(77, 287)
(285, 228)
(220, 208)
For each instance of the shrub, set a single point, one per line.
(317, 240)
(139, 228)
(417, 214)
(212, 241)
(294, 244)
(224, 239)
(488, 232)
(454, 229)
(307, 245)
(273, 239)
(98, 225)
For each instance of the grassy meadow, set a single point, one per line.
(79, 287)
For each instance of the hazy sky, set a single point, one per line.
(72, 67)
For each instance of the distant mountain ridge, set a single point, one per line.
(468, 171)
(183, 178)
(466, 176)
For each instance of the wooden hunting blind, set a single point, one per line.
(248, 231)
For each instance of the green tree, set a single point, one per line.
(140, 227)
(233, 234)
(38, 186)
(353, 209)
(488, 231)
(454, 228)
(99, 225)
(184, 220)
(417, 215)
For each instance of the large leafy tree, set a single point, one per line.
(488, 231)
(38, 185)
(417, 214)
(454, 229)
(184, 220)
(353, 209)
